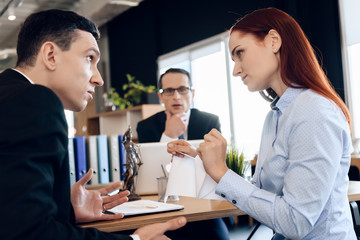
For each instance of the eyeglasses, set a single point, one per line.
(170, 91)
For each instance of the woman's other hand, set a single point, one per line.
(213, 153)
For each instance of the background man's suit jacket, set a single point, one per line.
(34, 166)
(200, 123)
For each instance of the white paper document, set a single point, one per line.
(188, 178)
(140, 207)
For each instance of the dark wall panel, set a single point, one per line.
(183, 22)
(132, 46)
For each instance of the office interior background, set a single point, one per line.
(152, 35)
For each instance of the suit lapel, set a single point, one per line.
(191, 131)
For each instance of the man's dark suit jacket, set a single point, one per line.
(34, 166)
(200, 123)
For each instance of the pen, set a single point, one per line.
(162, 167)
(113, 192)
(144, 206)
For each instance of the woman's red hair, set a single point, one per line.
(298, 63)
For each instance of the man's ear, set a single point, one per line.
(48, 51)
(275, 39)
(160, 97)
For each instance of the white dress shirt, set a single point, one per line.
(300, 183)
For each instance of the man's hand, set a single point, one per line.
(213, 152)
(89, 205)
(181, 146)
(156, 231)
(175, 125)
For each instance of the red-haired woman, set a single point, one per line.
(299, 188)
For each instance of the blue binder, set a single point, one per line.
(80, 157)
(122, 153)
(103, 159)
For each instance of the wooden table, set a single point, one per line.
(194, 210)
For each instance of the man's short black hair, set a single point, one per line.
(54, 25)
(175, 70)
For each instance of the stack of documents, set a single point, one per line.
(141, 207)
(188, 178)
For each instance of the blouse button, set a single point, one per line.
(234, 201)
(223, 195)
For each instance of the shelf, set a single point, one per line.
(117, 122)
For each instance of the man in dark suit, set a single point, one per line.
(56, 68)
(178, 120)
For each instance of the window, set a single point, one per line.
(69, 115)
(241, 112)
(349, 16)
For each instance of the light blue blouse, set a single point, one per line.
(300, 184)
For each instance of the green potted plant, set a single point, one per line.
(134, 95)
(235, 160)
(113, 101)
(136, 91)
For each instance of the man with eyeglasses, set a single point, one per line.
(178, 120)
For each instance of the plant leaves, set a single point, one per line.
(235, 160)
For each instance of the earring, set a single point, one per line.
(274, 49)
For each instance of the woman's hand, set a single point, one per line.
(89, 205)
(213, 153)
(181, 146)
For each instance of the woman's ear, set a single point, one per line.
(275, 40)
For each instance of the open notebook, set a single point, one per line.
(142, 207)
